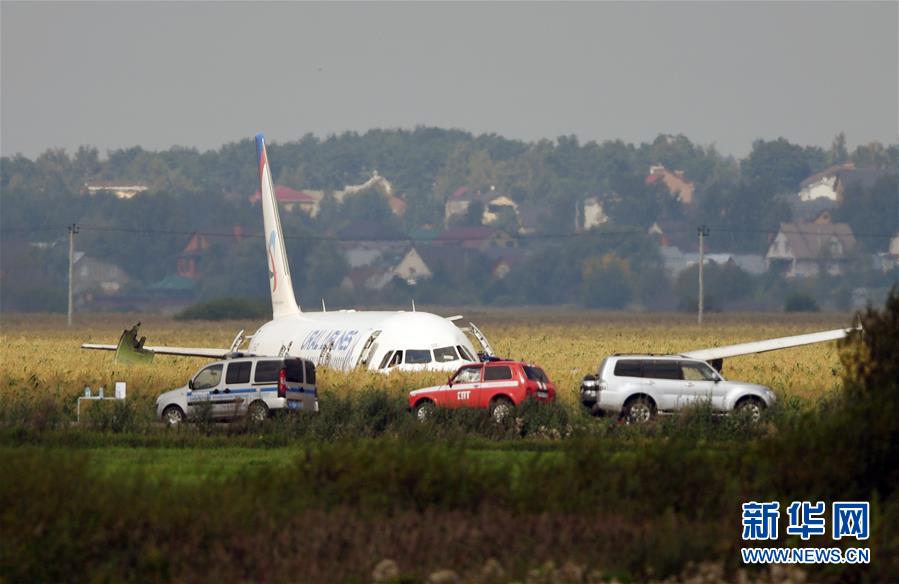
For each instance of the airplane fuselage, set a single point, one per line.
(348, 339)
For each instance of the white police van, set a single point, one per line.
(244, 385)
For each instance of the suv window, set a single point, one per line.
(694, 371)
(238, 372)
(294, 372)
(628, 368)
(497, 373)
(310, 372)
(468, 375)
(662, 370)
(209, 377)
(267, 371)
(535, 373)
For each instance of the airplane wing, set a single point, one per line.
(131, 350)
(716, 353)
(182, 351)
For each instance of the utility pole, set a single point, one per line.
(703, 233)
(73, 231)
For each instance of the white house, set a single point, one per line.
(804, 249)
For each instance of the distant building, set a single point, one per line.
(494, 205)
(805, 249)
(591, 213)
(309, 201)
(678, 234)
(121, 189)
(420, 262)
(831, 183)
(191, 257)
(306, 201)
(675, 182)
(822, 185)
(93, 275)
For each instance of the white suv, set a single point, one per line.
(637, 387)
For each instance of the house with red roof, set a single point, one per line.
(306, 201)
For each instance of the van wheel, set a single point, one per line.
(639, 410)
(257, 412)
(424, 410)
(172, 416)
(500, 408)
(751, 408)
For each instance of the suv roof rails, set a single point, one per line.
(645, 355)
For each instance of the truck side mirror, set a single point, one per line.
(190, 384)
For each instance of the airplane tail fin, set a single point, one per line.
(284, 302)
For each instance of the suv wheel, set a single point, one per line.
(639, 410)
(424, 410)
(751, 408)
(500, 408)
(257, 412)
(172, 416)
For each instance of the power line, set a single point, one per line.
(623, 231)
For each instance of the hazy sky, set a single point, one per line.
(203, 74)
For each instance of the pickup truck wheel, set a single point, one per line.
(751, 408)
(257, 412)
(500, 408)
(424, 410)
(639, 410)
(172, 416)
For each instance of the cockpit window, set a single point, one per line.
(463, 352)
(397, 359)
(386, 358)
(445, 354)
(418, 356)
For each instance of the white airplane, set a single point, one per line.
(377, 340)
(344, 339)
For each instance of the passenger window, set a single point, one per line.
(238, 372)
(209, 377)
(294, 369)
(628, 368)
(386, 358)
(267, 371)
(418, 356)
(468, 375)
(662, 370)
(497, 373)
(696, 371)
(397, 359)
(445, 354)
(310, 372)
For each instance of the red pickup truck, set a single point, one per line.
(496, 385)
